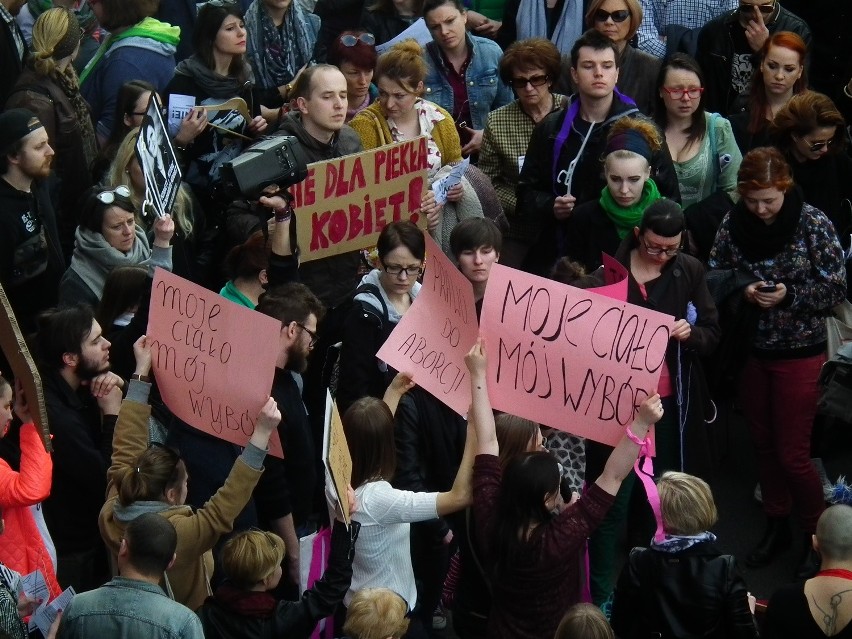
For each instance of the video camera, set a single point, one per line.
(276, 160)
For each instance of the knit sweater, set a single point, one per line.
(371, 125)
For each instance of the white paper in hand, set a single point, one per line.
(441, 187)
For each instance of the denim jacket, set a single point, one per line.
(128, 609)
(485, 90)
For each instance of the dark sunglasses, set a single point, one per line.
(765, 9)
(617, 16)
(350, 40)
(818, 146)
(535, 80)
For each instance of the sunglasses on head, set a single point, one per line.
(350, 40)
(535, 80)
(617, 16)
(765, 9)
(108, 197)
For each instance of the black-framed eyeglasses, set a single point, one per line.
(108, 197)
(350, 40)
(765, 9)
(655, 251)
(397, 270)
(677, 93)
(535, 80)
(312, 334)
(617, 16)
(813, 147)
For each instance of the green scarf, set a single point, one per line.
(626, 218)
(148, 28)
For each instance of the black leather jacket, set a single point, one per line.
(239, 618)
(716, 52)
(697, 592)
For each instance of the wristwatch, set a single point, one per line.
(141, 378)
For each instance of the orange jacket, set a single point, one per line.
(21, 546)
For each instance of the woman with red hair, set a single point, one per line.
(354, 53)
(795, 260)
(781, 76)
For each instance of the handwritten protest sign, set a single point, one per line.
(214, 360)
(435, 334)
(158, 161)
(336, 456)
(343, 204)
(569, 358)
(23, 367)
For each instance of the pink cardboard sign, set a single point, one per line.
(569, 358)
(213, 359)
(615, 276)
(435, 334)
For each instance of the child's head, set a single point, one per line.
(584, 621)
(252, 558)
(376, 613)
(7, 399)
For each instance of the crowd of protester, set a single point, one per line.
(703, 145)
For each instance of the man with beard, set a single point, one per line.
(31, 260)
(299, 311)
(82, 398)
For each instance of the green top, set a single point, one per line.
(231, 292)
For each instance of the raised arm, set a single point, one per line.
(624, 455)
(461, 494)
(481, 416)
(400, 385)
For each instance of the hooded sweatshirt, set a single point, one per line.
(145, 50)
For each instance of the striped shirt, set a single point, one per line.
(692, 14)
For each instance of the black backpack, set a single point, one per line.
(333, 332)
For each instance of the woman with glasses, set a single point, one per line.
(383, 297)
(780, 76)
(108, 237)
(790, 250)
(531, 67)
(354, 53)
(705, 155)
(619, 21)
(48, 87)
(281, 39)
(663, 278)
(811, 133)
(145, 477)
(601, 225)
(216, 74)
(462, 75)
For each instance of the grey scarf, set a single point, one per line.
(94, 258)
(532, 23)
